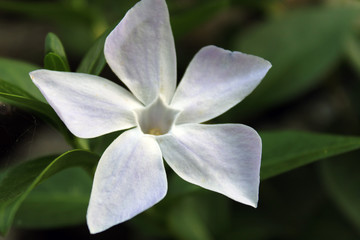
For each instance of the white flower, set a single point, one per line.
(163, 122)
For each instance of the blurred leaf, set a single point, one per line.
(3, 173)
(192, 18)
(18, 90)
(52, 61)
(353, 52)
(17, 97)
(55, 53)
(152, 223)
(259, 4)
(328, 224)
(59, 201)
(6, 87)
(99, 144)
(199, 216)
(217, 213)
(178, 187)
(22, 179)
(287, 150)
(342, 179)
(94, 60)
(186, 221)
(48, 10)
(302, 46)
(78, 24)
(16, 73)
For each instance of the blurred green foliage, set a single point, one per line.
(62, 198)
(306, 43)
(314, 47)
(19, 182)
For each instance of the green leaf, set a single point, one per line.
(186, 220)
(342, 180)
(99, 144)
(77, 21)
(53, 44)
(16, 73)
(9, 88)
(193, 17)
(3, 173)
(302, 46)
(94, 60)
(204, 215)
(55, 54)
(353, 52)
(287, 150)
(179, 188)
(12, 92)
(59, 201)
(52, 61)
(22, 179)
(49, 10)
(17, 97)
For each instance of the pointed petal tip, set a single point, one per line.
(31, 74)
(265, 63)
(147, 68)
(95, 226)
(254, 203)
(93, 229)
(87, 104)
(125, 185)
(251, 201)
(34, 73)
(216, 80)
(216, 48)
(229, 155)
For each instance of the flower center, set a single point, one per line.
(156, 118)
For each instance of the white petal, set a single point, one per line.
(223, 158)
(141, 51)
(215, 81)
(129, 178)
(89, 105)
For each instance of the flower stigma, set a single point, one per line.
(156, 118)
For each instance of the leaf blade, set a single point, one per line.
(287, 150)
(20, 181)
(60, 201)
(55, 52)
(302, 46)
(16, 73)
(53, 61)
(94, 60)
(342, 180)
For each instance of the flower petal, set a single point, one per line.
(129, 178)
(215, 81)
(141, 51)
(223, 158)
(89, 105)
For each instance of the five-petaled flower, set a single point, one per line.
(162, 122)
